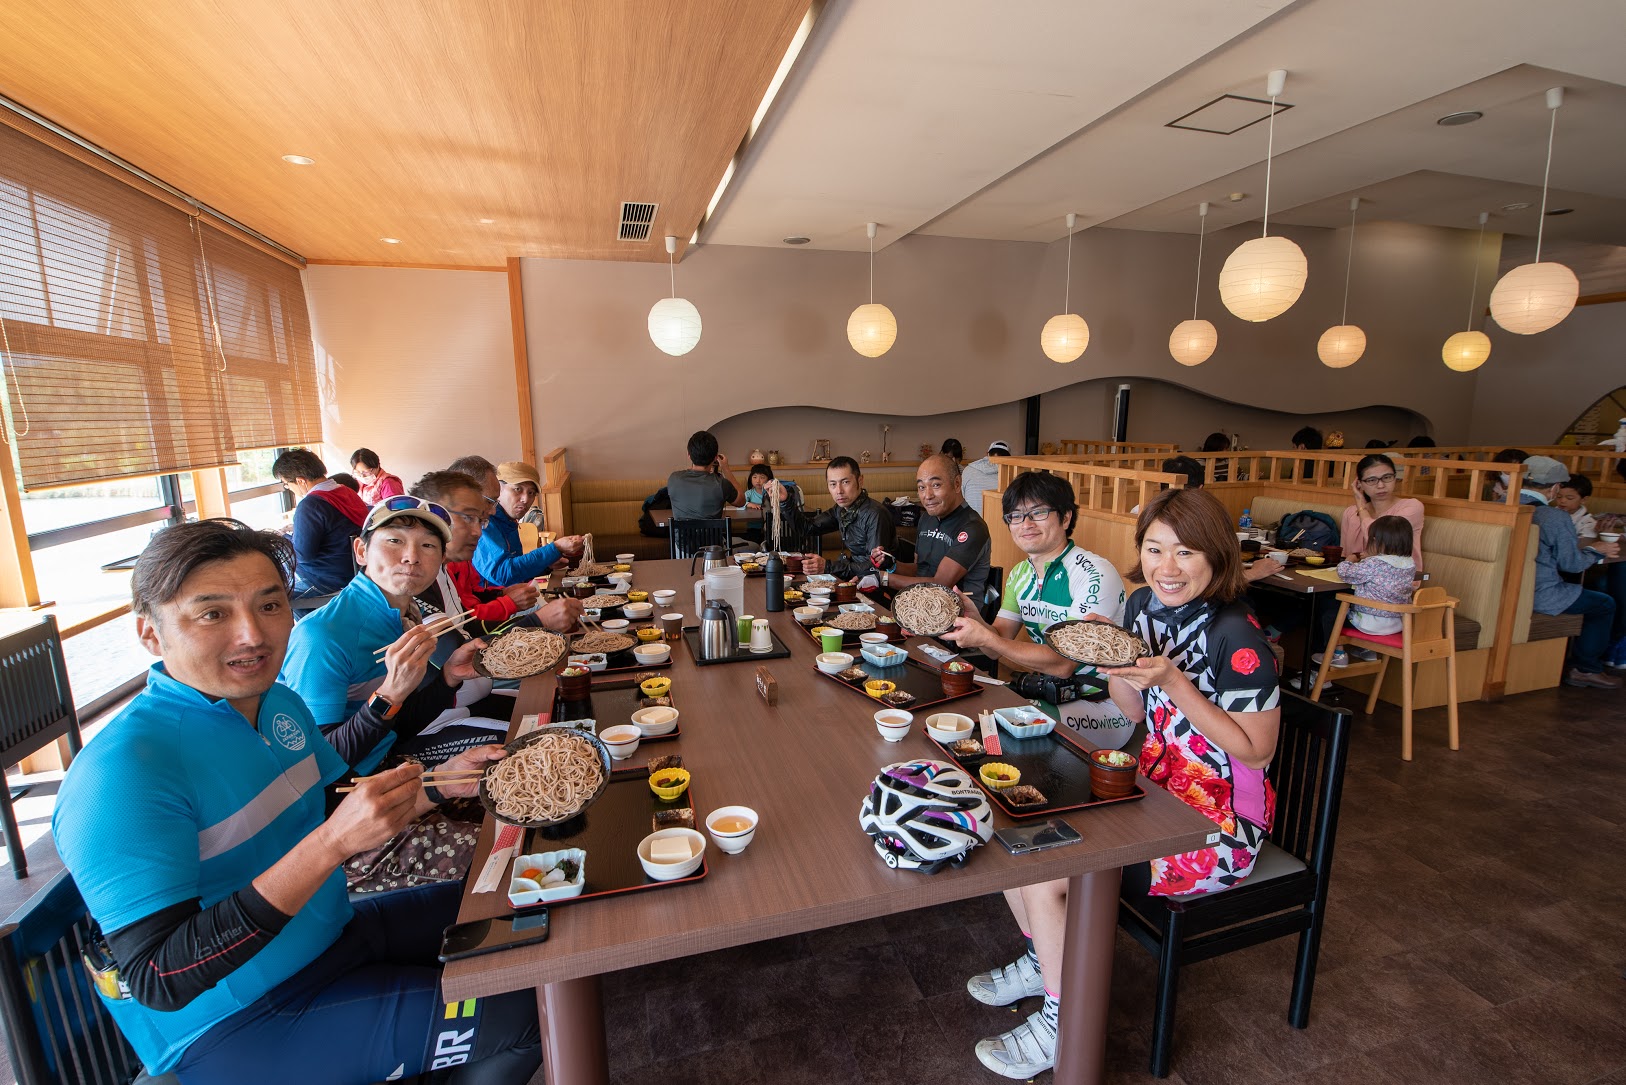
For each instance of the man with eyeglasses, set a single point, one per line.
(1058, 580)
(500, 557)
(459, 586)
(951, 542)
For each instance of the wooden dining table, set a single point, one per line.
(804, 765)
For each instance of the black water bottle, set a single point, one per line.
(774, 573)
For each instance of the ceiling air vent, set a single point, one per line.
(636, 220)
(1226, 115)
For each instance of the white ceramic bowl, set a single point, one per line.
(948, 727)
(857, 608)
(732, 843)
(621, 740)
(615, 625)
(1609, 536)
(665, 872)
(834, 662)
(808, 615)
(1024, 721)
(872, 638)
(524, 891)
(653, 652)
(893, 723)
(656, 720)
(664, 597)
(638, 611)
(624, 559)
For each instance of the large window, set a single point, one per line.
(74, 531)
(257, 498)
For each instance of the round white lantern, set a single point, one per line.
(1466, 351)
(1193, 341)
(1534, 297)
(674, 325)
(1341, 345)
(872, 329)
(1064, 337)
(1262, 278)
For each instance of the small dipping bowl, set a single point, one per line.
(668, 784)
(655, 687)
(622, 741)
(893, 723)
(649, 635)
(663, 598)
(665, 872)
(732, 840)
(624, 559)
(998, 775)
(872, 638)
(651, 654)
(655, 721)
(808, 615)
(615, 625)
(834, 662)
(878, 687)
(948, 727)
(637, 611)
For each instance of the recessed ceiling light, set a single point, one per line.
(797, 240)
(298, 160)
(1238, 197)
(1562, 211)
(487, 222)
(390, 240)
(1512, 207)
(1467, 116)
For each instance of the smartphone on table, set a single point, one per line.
(1025, 839)
(490, 935)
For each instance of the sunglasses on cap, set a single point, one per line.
(401, 503)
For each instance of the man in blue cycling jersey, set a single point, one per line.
(201, 834)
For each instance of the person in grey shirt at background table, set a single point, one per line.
(700, 491)
(983, 474)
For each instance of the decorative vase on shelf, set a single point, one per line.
(925, 451)
(774, 458)
(865, 457)
(821, 450)
(757, 456)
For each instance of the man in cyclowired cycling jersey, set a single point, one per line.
(200, 829)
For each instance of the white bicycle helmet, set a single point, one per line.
(923, 814)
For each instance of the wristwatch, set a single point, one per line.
(382, 707)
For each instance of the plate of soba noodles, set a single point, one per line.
(549, 776)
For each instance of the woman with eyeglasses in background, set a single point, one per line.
(1376, 488)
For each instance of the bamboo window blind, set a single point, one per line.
(138, 340)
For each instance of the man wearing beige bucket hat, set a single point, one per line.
(501, 558)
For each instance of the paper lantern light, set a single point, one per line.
(1341, 345)
(674, 325)
(1534, 297)
(1466, 351)
(1263, 277)
(872, 329)
(1193, 341)
(1064, 337)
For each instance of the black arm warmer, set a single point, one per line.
(355, 737)
(177, 953)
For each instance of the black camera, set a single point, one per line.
(1058, 691)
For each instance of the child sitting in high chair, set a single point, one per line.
(1385, 573)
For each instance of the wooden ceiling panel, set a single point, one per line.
(423, 117)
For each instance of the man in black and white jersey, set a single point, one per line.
(951, 542)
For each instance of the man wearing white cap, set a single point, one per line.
(1558, 550)
(983, 474)
(501, 558)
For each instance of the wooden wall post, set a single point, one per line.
(209, 490)
(18, 587)
(522, 362)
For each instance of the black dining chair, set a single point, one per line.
(36, 709)
(1287, 891)
(687, 536)
(57, 1029)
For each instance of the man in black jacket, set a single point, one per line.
(864, 522)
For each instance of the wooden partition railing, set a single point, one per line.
(1106, 495)
(554, 496)
(1080, 451)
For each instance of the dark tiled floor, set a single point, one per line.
(1476, 934)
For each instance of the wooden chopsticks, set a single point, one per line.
(446, 776)
(440, 626)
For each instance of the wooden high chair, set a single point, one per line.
(1428, 632)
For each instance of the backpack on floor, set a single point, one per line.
(1309, 529)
